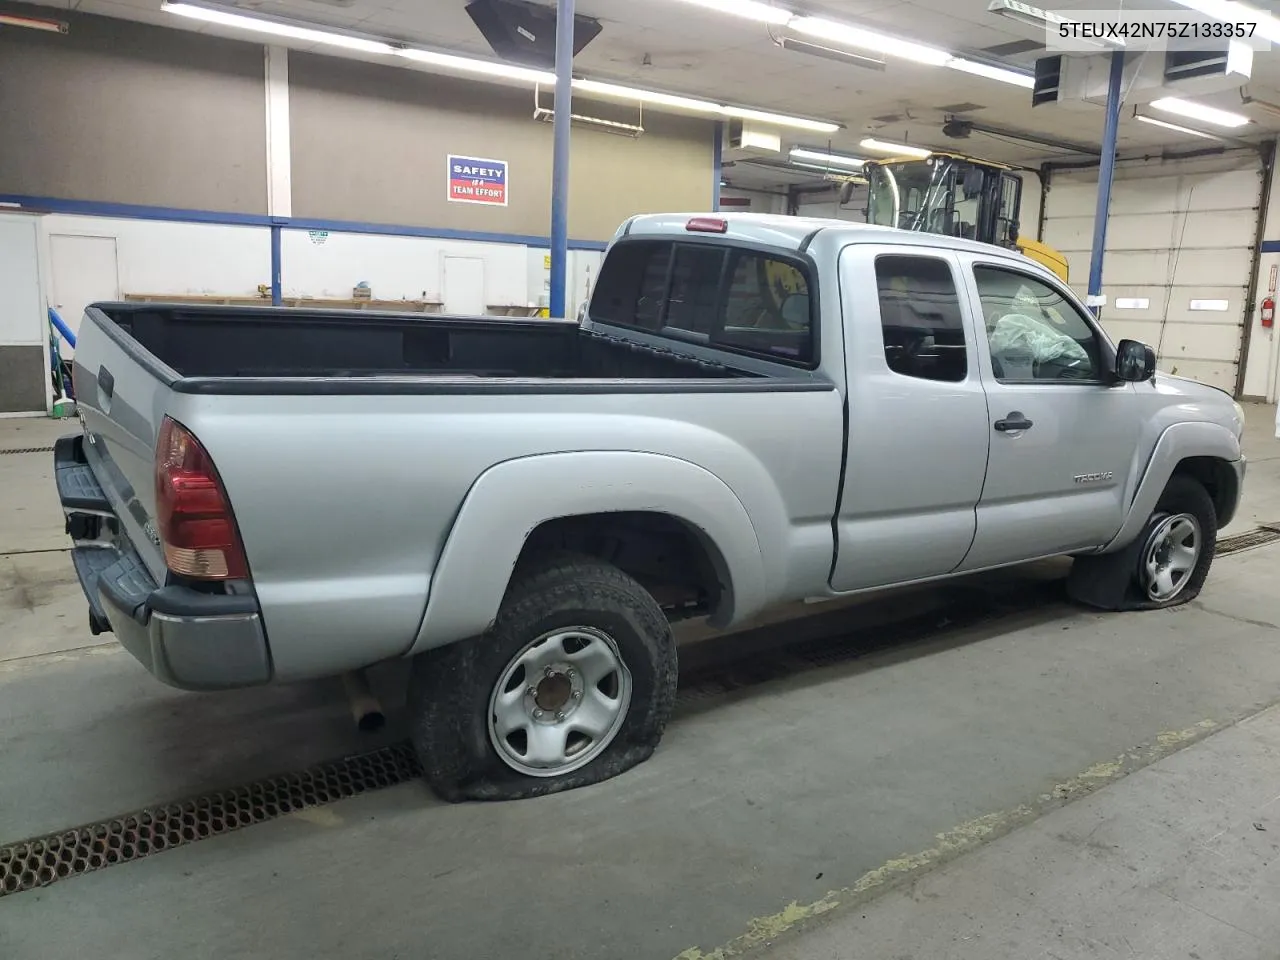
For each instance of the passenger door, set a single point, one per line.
(1062, 431)
(917, 418)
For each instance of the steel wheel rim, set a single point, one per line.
(1170, 555)
(559, 702)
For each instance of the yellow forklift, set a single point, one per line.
(956, 196)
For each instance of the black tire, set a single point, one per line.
(1115, 581)
(450, 688)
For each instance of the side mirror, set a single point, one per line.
(846, 192)
(1135, 361)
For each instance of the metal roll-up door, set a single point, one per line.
(1179, 255)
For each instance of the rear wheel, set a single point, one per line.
(572, 685)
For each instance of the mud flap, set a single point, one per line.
(1106, 581)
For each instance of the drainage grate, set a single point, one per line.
(27, 450)
(1266, 533)
(41, 861)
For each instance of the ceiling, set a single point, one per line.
(677, 47)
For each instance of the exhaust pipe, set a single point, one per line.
(365, 708)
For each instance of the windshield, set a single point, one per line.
(912, 194)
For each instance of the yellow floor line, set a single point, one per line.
(973, 833)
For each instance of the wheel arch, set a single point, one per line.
(519, 507)
(1208, 452)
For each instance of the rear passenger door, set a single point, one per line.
(1063, 433)
(917, 418)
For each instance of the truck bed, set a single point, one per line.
(255, 342)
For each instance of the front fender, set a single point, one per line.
(1176, 443)
(511, 499)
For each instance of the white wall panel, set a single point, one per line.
(1178, 231)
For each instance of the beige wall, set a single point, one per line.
(369, 142)
(128, 113)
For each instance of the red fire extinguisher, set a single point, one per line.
(1268, 312)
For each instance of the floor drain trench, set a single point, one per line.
(41, 861)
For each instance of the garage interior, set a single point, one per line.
(972, 769)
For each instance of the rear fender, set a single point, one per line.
(1179, 442)
(510, 500)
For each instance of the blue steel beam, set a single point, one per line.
(1106, 171)
(560, 158)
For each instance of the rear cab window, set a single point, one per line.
(739, 299)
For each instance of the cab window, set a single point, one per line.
(1034, 332)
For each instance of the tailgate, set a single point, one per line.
(121, 394)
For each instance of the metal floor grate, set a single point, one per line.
(1264, 534)
(27, 450)
(41, 861)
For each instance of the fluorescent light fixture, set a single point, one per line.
(862, 39)
(818, 156)
(1003, 74)
(894, 149)
(275, 28)
(33, 23)
(1176, 128)
(796, 123)
(831, 53)
(490, 68)
(694, 105)
(1268, 25)
(1198, 111)
(750, 9)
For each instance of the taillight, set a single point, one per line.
(707, 225)
(197, 528)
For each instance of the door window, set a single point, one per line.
(920, 317)
(1034, 332)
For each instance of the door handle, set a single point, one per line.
(106, 382)
(1014, 421)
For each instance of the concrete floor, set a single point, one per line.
(962, 793)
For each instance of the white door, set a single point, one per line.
(85, 271)
(464, 286)
(1178, 260)
(24, 383)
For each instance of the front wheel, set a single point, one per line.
(1173, 555)
(572, 685)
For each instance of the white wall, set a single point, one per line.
(161, 257)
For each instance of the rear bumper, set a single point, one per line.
(186, 638)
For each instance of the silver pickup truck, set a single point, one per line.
(753, 411)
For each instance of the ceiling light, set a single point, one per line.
(1174, 127)
(894, 149)
(836, 159)
(469, 65)
(781, 120)
(750, 9)
(490, 68)
(33, 23)
(831, 53)
(1268, 26)
(1198, 111)
(275, 28)
(861, 39)
(1003, 74)
(694, 105)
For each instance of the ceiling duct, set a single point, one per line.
(525, 33)
(1080, 82)
(743, 140)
